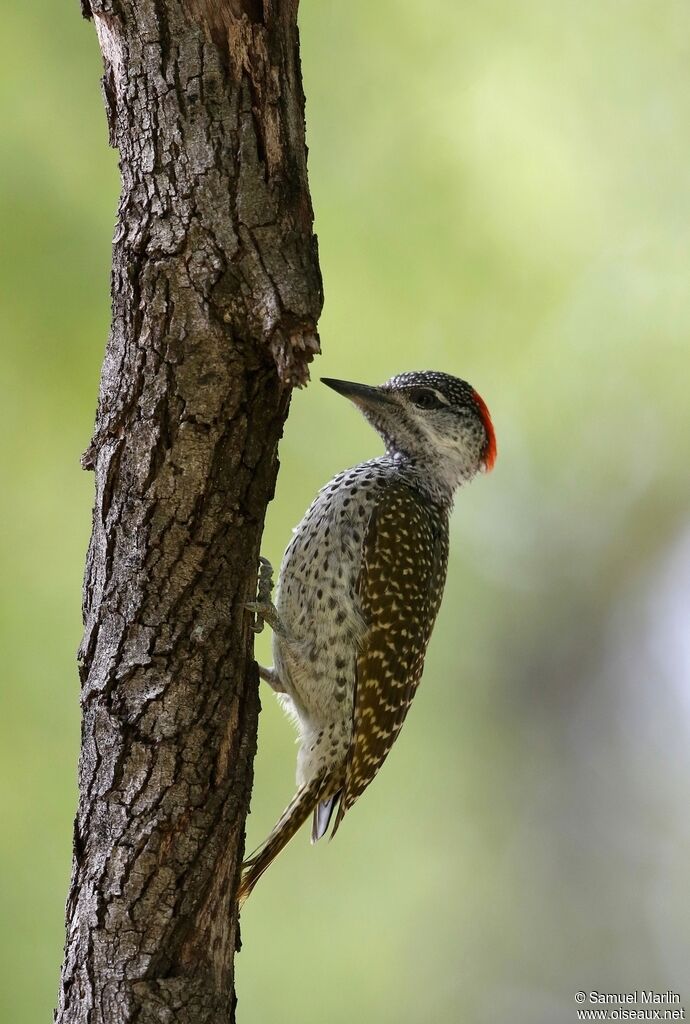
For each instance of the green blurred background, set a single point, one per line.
(501, 191)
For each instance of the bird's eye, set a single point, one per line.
(424, 398)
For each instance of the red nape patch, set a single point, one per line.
(490, 453)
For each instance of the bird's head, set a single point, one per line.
(437, 421)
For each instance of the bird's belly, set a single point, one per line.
(319, 607)
(317, 659)
(316, 664)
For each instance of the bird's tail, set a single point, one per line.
(289, 823)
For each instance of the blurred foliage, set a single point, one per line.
(501, 191)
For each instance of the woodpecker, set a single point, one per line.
(359, 589)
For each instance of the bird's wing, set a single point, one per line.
(400, 587)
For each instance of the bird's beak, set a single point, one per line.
(361, 394)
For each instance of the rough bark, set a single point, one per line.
(216, 294)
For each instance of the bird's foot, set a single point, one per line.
(270, 676)
(265, 582)
(263, 607)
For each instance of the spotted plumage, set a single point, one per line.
(359, 590)
(400, 588)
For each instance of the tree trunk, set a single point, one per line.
(216, 293)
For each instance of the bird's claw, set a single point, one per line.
(263, 608)
(257, 608)
(265, 582)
